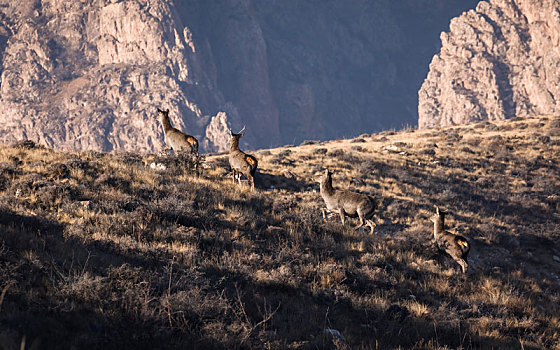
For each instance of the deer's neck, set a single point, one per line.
(438, 228)
(166, 124)
(326, 186)
(234, 145)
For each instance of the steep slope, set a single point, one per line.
(89, 74)
(102, 251)
(498, 61)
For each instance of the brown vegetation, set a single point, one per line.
(102, 251)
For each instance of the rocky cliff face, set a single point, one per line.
(89, 74)
(497, 61)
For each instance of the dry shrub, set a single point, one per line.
(309, 142)
(335, 153)
(427, 151)
(285, 153)
(554, 124)
(26, 144)
(180, 162)
(357, 149)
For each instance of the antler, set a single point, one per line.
(240, 131)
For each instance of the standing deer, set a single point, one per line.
(348, 203)
(240, 162)
(174, 138)
(455, 245)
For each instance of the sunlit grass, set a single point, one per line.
(169, 256)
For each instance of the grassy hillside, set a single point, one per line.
(102, 251)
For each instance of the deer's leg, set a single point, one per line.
(341, 213)
(251, 181)
(371, 225)
(361, 217)
(233, 175)
(463, 264)
(324, 212)
(239, 177)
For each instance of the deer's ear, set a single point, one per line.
(242, 134)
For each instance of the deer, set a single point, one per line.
(175, 139)
(346, 203)
(241, 162)
(456, 246)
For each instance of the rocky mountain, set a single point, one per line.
(497, 61)
(89, 74)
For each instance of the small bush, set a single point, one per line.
(180, 163)
(337, 152)
(285, 153)
(427, 151)
(357, 149)
(309, 142)
(25, 144)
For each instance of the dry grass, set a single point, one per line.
(103, 251)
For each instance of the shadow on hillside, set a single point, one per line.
(455, 193)
(494, 244)
(35, 224)
(301, 315)
(289, 182)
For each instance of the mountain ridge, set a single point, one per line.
(497, 61)
(290, 71)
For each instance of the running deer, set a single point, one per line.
(348, 203)
(455, 245)
(241, 162)
(174, 138)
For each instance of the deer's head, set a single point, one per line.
(237, 136)
(325, 175)
(439, 215)
(162, 113)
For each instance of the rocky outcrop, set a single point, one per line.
(497, 61)
(89, 74)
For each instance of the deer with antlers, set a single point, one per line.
(240, 162)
